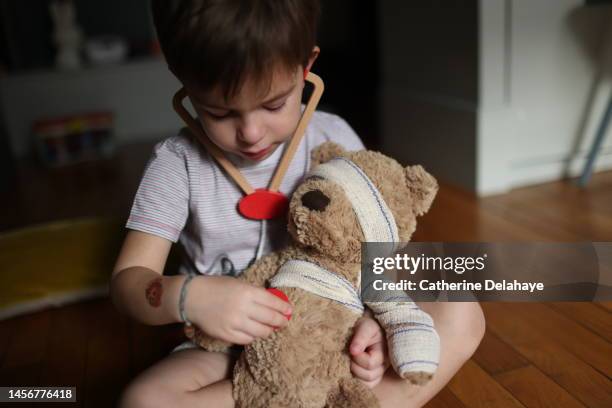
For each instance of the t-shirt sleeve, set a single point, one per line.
(339, 131)
(161, 205)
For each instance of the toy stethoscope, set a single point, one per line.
(257, 204)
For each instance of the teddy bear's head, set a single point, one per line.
(350, 197)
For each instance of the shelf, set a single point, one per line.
(46, 74)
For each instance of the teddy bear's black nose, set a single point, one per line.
(315, 200)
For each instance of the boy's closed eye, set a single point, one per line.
(273, 104)
(218, 115)
(275, 107)
(223, 114)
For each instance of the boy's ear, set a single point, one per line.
(313, 56)
(423, 187)
(324, 153)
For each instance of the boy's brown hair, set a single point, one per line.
(209, 43)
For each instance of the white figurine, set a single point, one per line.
(67, 35)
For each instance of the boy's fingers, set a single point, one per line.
(267, 316)
(367, 332)
(362, 360)
(255, 329)
(371, 359)
(267, 299)
(240, 337)
(370, 377)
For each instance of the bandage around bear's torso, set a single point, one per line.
(313, 278)
(412, 340)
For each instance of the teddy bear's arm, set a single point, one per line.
(412, 341)
(263, 269)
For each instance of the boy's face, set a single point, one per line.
(252, 125)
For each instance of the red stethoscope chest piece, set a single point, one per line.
(263, 204)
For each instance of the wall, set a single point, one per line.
(494, 94)
(428, 91)
(541, 95)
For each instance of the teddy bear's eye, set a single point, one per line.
(315, 200)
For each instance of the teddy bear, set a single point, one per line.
(346, 199)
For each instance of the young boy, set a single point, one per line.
(243, 65)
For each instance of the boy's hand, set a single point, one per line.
(232, 310)
(368, 352)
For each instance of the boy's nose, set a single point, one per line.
(250, 132)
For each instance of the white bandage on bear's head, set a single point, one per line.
(374, 216)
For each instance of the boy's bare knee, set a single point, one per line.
(395, 392)
(169, 382)
(461, 325)
(468, 328)
(477, 325)
(140, 394)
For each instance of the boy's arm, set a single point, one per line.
(137, 285)
(224, 307)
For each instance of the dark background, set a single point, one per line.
(348, 36)
(432, 45)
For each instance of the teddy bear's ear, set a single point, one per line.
(325, 152)
(423, 187)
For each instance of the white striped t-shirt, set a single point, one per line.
(185, 196)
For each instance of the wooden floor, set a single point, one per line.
(533, 355)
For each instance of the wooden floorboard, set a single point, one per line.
(606, 305)
(543, 351)
(547, 394)
(65, 357)
(7, 330)
(583, 343)
(496, 356)
(533, 354)
(477, 389)
(28, 343)
(446, 399)
(107, 357)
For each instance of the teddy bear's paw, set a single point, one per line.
(205, 341)
(216, 345)
(211, 344)
(417, 377)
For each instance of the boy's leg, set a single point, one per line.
(461, 326)
(183, 379)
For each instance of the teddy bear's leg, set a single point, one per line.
(250, 393)
(245, 390)
(259, 386)
(351, 393)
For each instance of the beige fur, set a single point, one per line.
(307, 364)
